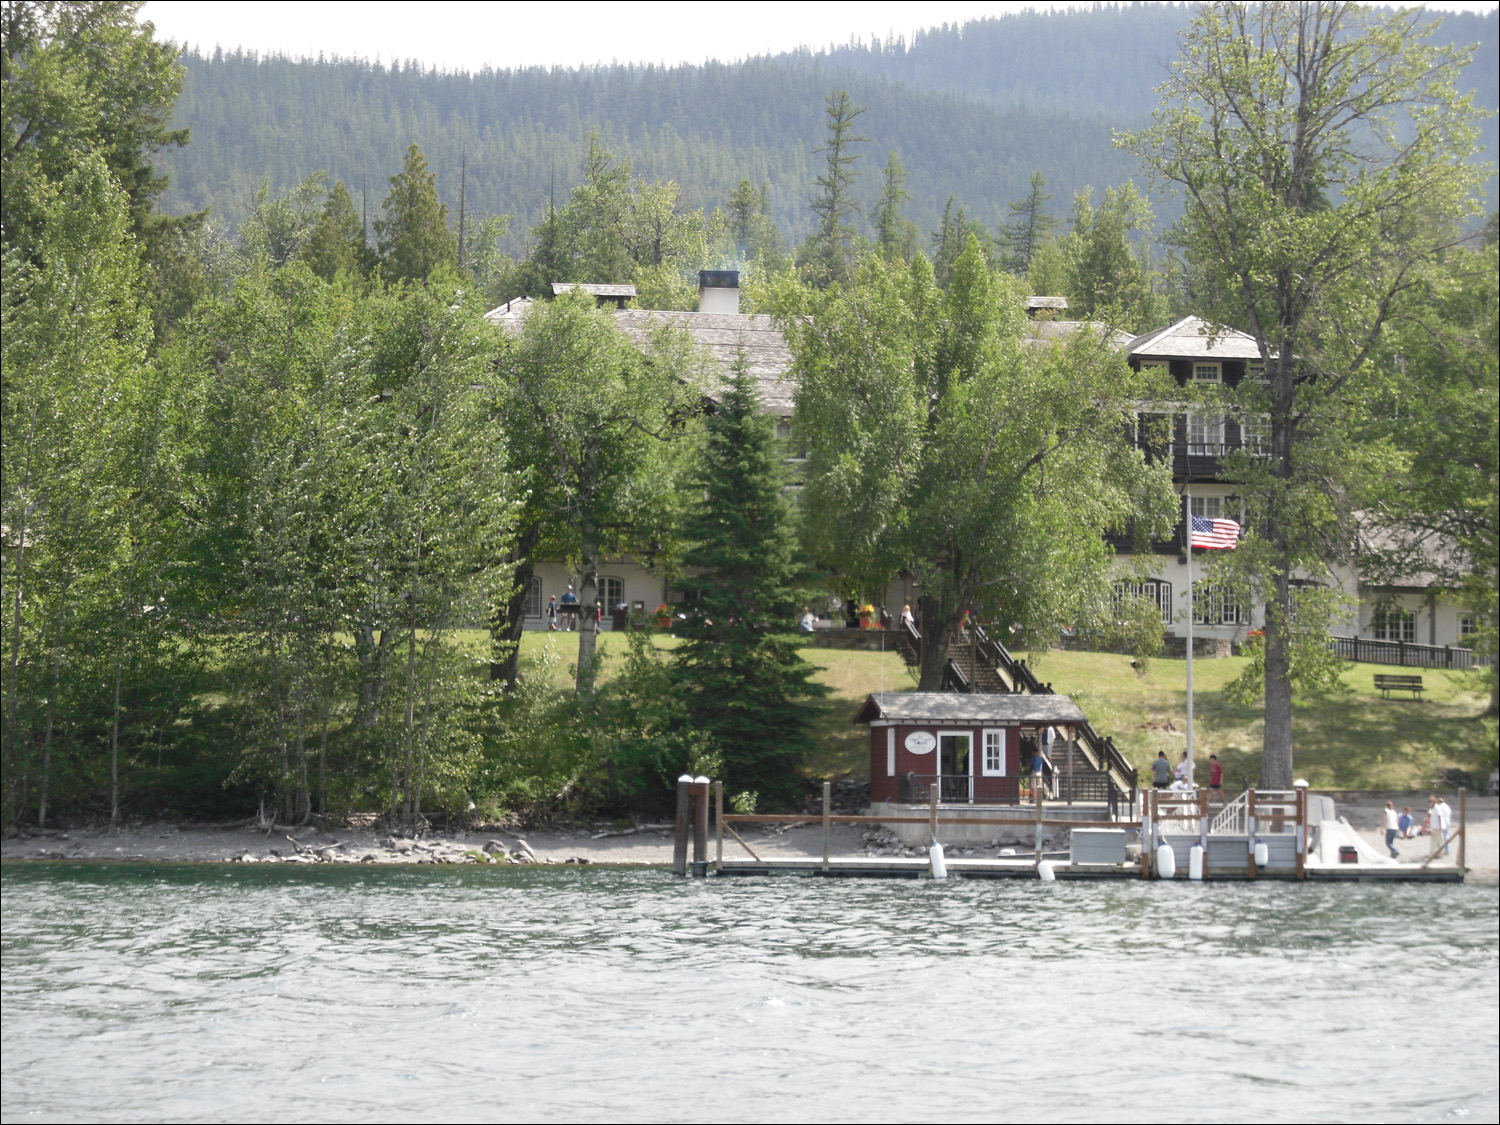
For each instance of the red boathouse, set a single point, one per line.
(969, 745)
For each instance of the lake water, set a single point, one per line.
(222, 993)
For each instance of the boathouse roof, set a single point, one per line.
(962, 707)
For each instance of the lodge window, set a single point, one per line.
(611, 593)
(1157, 590)
(1205, 434)
(993, 761)
(1392, 623)
(1255, 434)
(1206, 373)
(534, 597)
(1466, 626)
(1208, 507)
(1212, 605)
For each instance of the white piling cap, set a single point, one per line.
(701, 780)
(1300, 783)
(685, 778)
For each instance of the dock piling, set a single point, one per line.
(827, 823)
(718, 828)
(1463, 818)
(680, 840)
(700, 826)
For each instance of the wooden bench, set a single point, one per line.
(1388, 684)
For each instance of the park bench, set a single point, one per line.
(1388, 684)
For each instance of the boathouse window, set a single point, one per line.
(534, 597)
(890, 751)
(994, 753)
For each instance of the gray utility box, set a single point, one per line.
(1098, 845)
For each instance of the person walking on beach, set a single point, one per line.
(1161, 770)
(1392, 829)
(1442, 818)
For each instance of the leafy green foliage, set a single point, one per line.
(946, 441)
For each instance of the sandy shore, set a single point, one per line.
(648, 845)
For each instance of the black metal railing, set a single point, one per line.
(1403, 654)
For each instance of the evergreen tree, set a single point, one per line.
(747, 688)
(414, 237)
(1027, 225)
(895, 234)
(827, 251)
(337, 241)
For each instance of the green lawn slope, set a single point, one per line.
(1350, 741)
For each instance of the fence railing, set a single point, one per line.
(1403, 654)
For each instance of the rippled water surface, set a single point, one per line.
(217, 993)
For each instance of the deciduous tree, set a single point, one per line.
(1322, 152)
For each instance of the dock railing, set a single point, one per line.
(1264, 812)
(1034, 818)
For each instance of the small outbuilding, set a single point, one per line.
(968, 745)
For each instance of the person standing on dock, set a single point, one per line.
(1161, 770)
(1215, 778)
(1442, 817)
(1392, 829)
(1184, 771)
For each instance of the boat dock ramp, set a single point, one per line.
(1290, 835)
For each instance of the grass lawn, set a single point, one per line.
(1353, 741)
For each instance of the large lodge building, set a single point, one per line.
(1193, 352)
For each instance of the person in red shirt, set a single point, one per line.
(1215, 778)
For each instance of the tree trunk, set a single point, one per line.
(938, 629)
(62, 606)
(114, 726)
(508, 623)
(1276, 753)
(588, 609)
(13, 683)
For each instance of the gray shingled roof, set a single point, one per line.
(956, 707)
(1192, 338)
(594, 289)
(723, 336)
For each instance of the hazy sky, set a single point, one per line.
(469, 36)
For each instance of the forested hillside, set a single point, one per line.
(971, 112)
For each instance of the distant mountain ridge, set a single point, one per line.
(971, 111)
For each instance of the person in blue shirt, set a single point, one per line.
(570, 609)
(1038, 766)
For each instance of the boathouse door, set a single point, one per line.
(954, 763)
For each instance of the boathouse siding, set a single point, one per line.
(971, 741)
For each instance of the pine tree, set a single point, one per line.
(337, 241)
(746, 686)
(414, 236)
(1027, 225)
(828, 248)
(895, 234)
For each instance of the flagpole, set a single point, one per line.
(1188, 501)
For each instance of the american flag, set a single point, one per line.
(1214, 533)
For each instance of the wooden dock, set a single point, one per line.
(897, 867)
(1260, 835)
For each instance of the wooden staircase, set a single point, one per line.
(978, 663)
